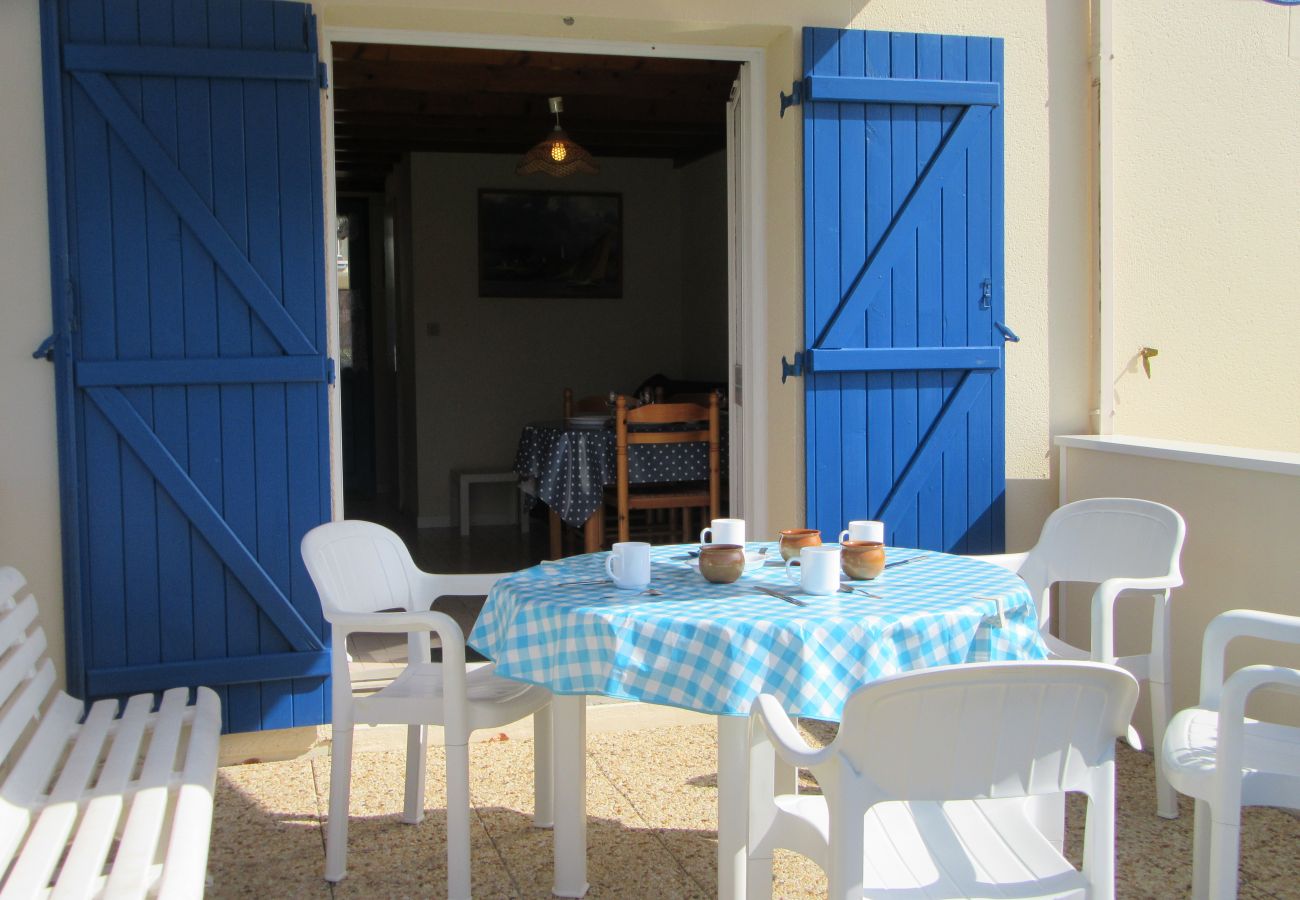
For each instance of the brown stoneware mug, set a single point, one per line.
(862, 560)
(722, 563)
(795, 539)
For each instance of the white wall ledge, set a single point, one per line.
(1276, 461)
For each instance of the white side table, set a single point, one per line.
(468, 477)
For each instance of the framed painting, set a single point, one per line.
(550, 244)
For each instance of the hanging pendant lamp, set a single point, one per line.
(557, 154)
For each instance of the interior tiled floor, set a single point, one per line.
(652, 806)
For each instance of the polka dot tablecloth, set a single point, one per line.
(571, 466)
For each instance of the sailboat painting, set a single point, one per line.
(550, 244)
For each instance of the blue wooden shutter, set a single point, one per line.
(904, 282)
(186, 202)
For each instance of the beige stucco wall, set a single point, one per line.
(29, 477)
(1238, 552)
(1207, 187)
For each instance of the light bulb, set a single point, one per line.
(559, 151)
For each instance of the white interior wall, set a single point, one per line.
(498, 363)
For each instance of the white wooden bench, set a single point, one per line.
(93, 804)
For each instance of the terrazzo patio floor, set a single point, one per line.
(652, 808)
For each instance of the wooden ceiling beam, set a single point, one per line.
(470, 81)
(531, 59)
(531, 108)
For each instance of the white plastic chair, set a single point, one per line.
(1214, 753)
(1120, 545)
(359, 569)
(962, 746)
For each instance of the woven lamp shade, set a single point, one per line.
(557, 156)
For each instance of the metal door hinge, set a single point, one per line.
(45, 350)
(329, 370)
(794, 98)
(986, 294)
(792, 368)
(1007, 334)
(324, 75)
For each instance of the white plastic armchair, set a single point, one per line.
(1214, 753)
(924, 787)
(1121, 545)
(361, 569)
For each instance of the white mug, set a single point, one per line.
(724, 531)
(863, 530)
(819, 569)
(628, 565)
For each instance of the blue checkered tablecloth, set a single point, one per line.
(714, 648)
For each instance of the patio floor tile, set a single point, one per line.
(652, 819)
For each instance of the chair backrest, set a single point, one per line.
(27, 675)
(583, 405)
(1107, 537)
(360, 567)
(986, 729)
(669, 417)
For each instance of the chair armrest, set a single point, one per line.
(416, 624)
(1233, 624)
(786, 741)
(1226, 801)
(1103, 608)
(432, 586)
(1009, 561)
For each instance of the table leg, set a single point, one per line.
(593, 533)
(733, 805)
(557, 535)
(569, 735)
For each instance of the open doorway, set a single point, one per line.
(420, 133)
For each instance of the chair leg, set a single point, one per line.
(1161, 703)
(845, 864)
(413, 809)
(1225, 842)
(1201, 850)
(336, 827)
(458, 858)
(543, 760)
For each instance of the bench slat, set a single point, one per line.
(15, 622)
(11, 582)
(144, 822)
(48, 837)
(184, 869)
(20, 714)
(85, 863)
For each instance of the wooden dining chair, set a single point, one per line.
(583, 405)
(671, 424)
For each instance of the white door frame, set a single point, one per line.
(751, 236)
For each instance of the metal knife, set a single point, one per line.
(910, 559)
(772, 592)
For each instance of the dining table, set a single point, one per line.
(714, 648)
(567, 465)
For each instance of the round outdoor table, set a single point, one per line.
(714, 648)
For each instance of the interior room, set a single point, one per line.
(452, 336)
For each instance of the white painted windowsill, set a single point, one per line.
(1276, 461)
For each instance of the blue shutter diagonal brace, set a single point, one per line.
(141, 438)
(172, 184)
